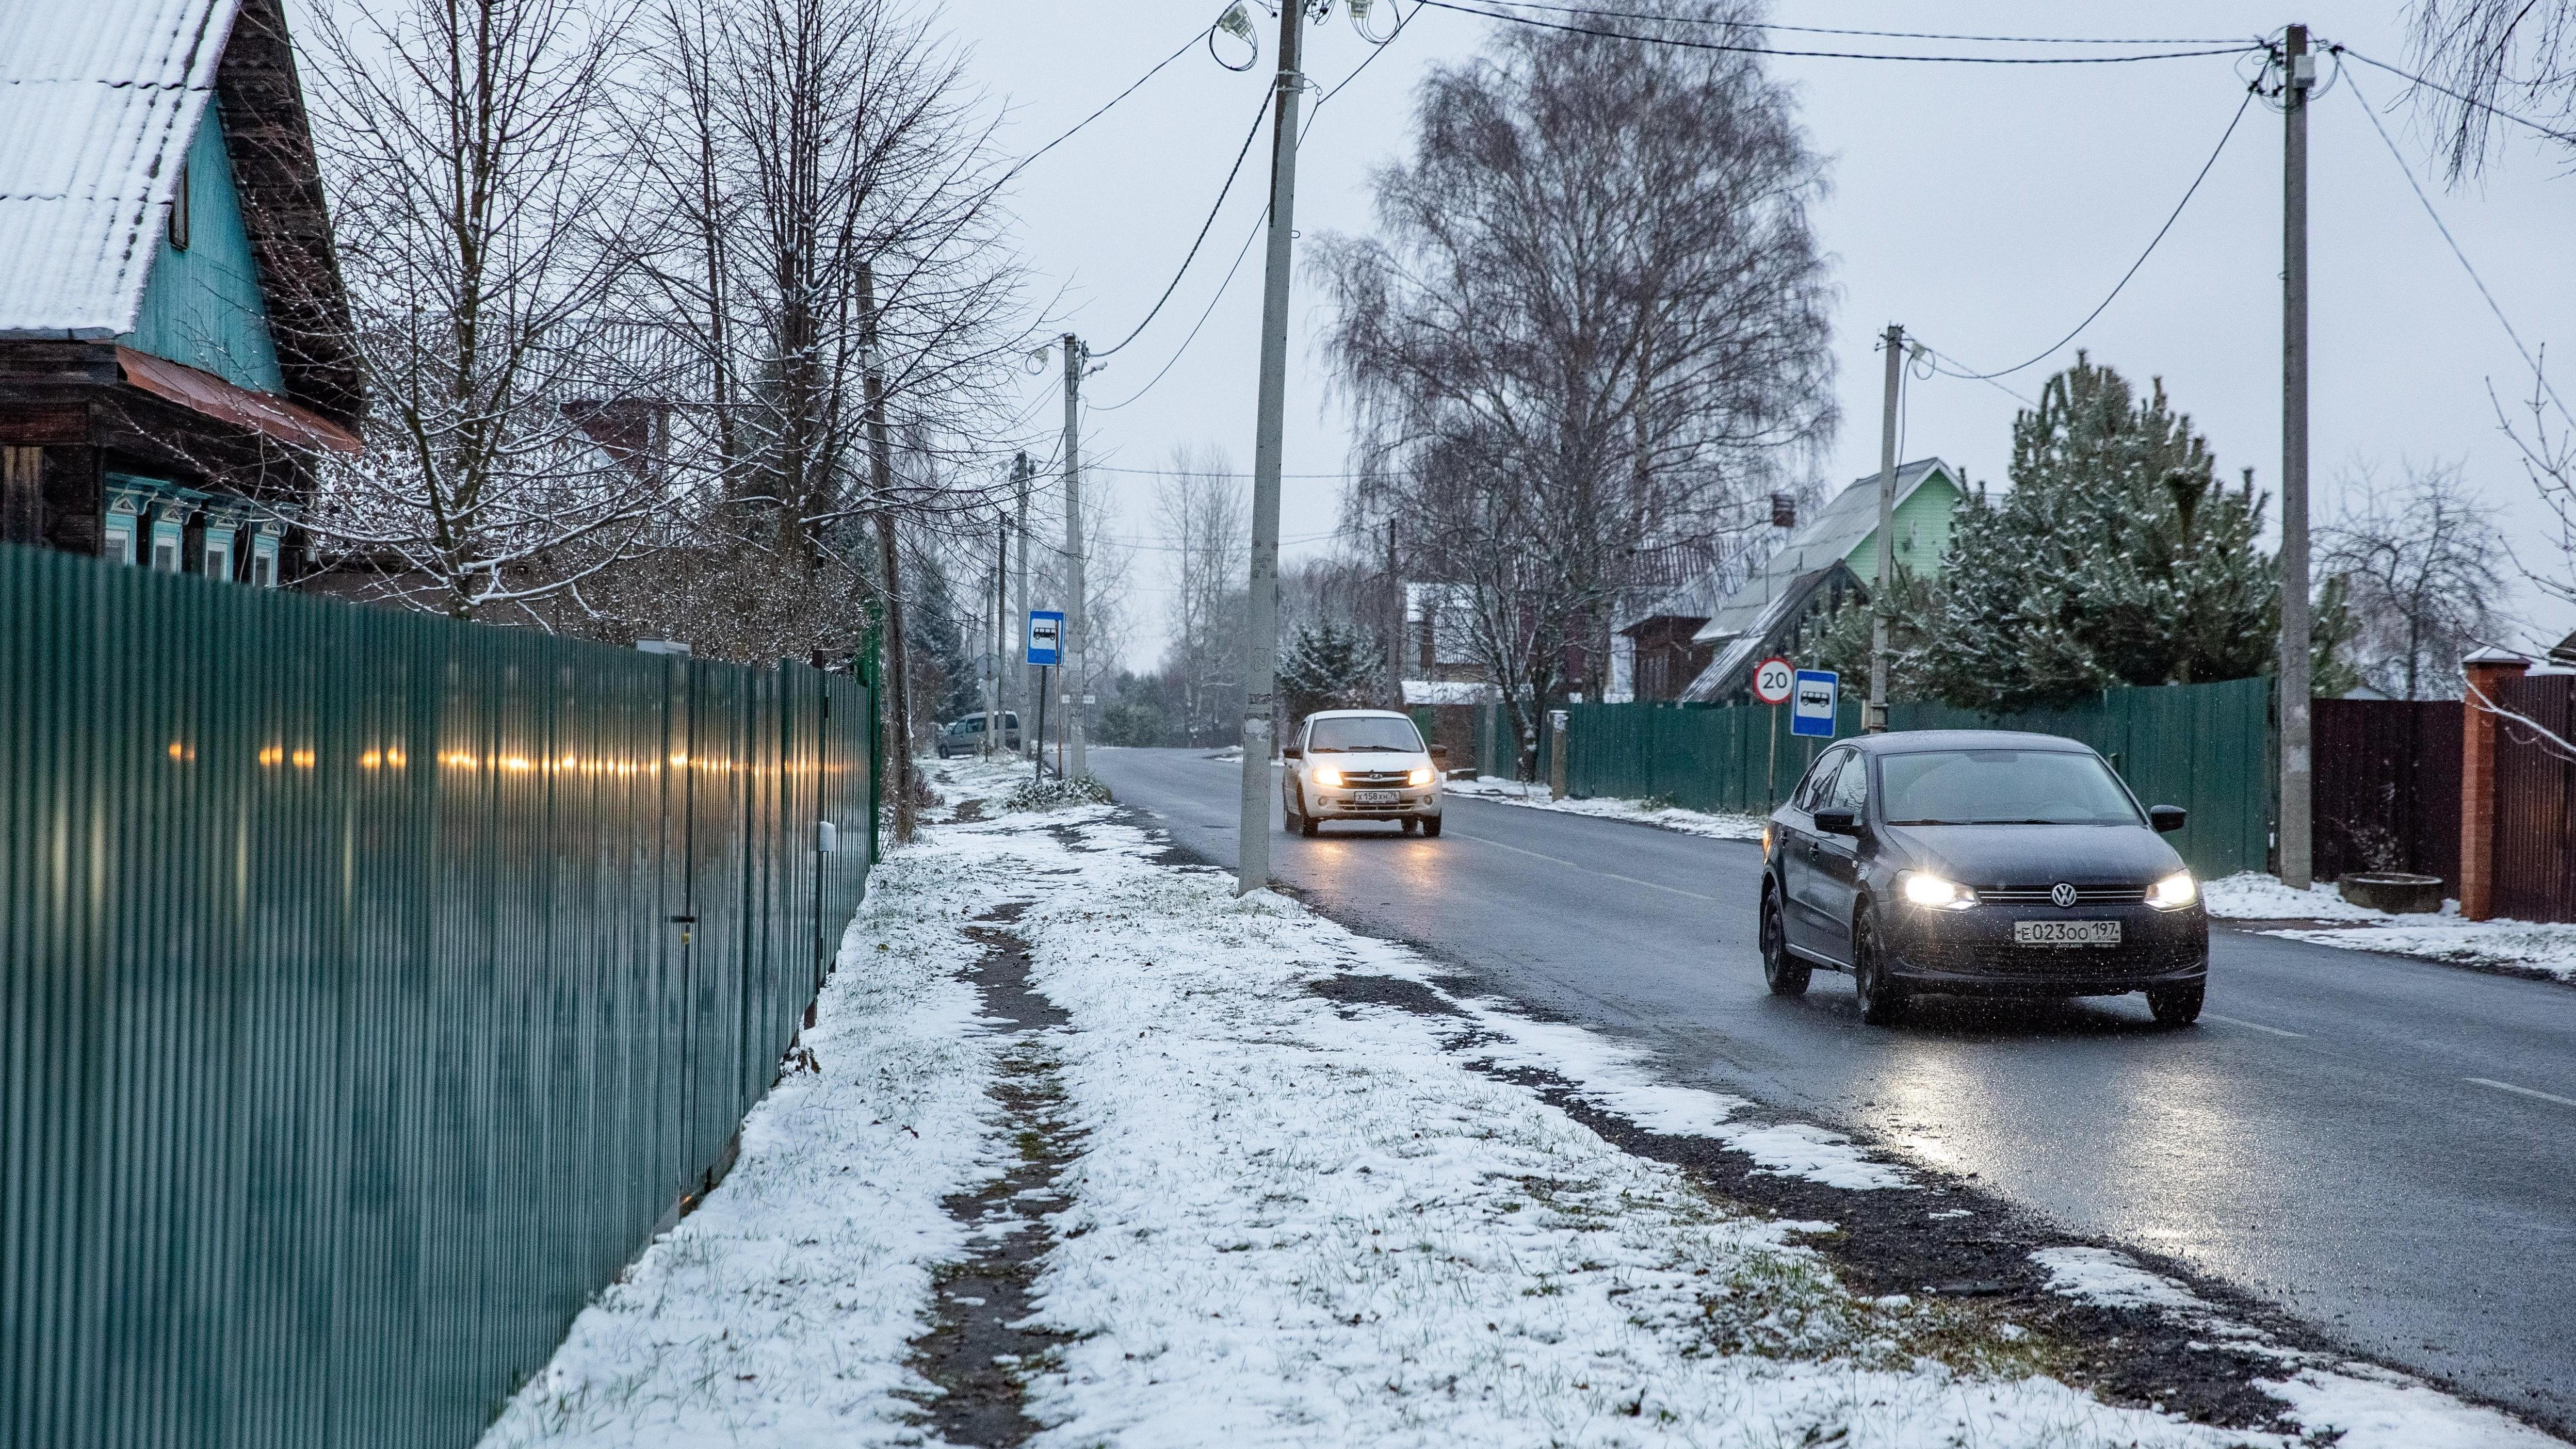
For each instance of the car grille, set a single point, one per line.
(2084, 896)
(1372, 779)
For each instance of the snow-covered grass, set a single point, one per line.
(2539, 946)
(1300, 1214)
(2349, 1404)
(1659, 813)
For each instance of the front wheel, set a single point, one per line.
(1785, 974)
(1881, 1001)
(1431, 825)
(2177, 1005)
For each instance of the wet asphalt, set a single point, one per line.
(2336, 1135)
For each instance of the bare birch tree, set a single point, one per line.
(1203, 520)
(468, 149)
(2423, 567)
(2519, 55)
(1591, 327)
(830, 247)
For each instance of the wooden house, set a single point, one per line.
(174, 337)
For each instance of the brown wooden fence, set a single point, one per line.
(2535, 866)
(2388, 787)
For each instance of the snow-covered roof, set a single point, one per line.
(1732, 670)
(1443, 691)
(98, 100)
(1825, 539)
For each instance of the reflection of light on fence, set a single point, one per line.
(302, 759)
(272, 755)
(182, 752)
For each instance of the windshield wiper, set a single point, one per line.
(1355, 749)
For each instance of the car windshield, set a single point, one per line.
(2002, 787)
(1354, 733)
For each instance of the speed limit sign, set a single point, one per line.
(1772, 681)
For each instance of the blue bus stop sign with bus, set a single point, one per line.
(1811, 709)
(1046, 637)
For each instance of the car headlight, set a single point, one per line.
(1419, 777)
(1934, 893)
(2173, 892)
(1328, 777)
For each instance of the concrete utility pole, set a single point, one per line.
(1882, 590)
(994, 734)
(1020, 471)
(2297, 776)
(1261, 664)
(1074, 356)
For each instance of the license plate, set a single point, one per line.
(2066, 933)
(1377, 797)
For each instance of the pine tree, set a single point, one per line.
(1330, 665)
(2117, 558)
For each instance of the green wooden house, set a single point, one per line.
(1701, 642)
(174, 337)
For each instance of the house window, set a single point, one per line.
(219, 560)
(120, 538)
(263, 561)
(179, 212)
(166, 535)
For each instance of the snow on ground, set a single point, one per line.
(2349, 1404)
(780, 1311)
(1641, 812)
(1300, 1214)
(2514, 945)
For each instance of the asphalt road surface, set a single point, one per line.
(2341, 1133)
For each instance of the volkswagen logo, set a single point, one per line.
(2061, 895)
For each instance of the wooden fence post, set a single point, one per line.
(2487, 670)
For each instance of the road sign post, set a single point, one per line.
(1045, 650)
(1811, 709)
(1773, 679)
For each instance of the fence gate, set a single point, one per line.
(2387, 787)
(2535, 868)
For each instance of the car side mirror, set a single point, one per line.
(1838, 822)
(1440, 754)
(2167, 818)
(1292, 753)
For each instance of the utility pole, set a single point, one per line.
(2297, 775)
(1882, 590)
(994, 734)
(1261, 666)
(1072, 674)
(1396, 614)
(1020, 471)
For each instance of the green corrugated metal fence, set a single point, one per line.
(2206, 747)
(354, 1035)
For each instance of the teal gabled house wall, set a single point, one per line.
(202, 305)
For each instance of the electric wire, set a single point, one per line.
(1132, 88)
(1183, 270)
(1767, 25)
(2487, 106)
(1259, 219)
(2176, 215)
(2529, 360)
(1678, 43)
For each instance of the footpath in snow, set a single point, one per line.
(1084, 1151)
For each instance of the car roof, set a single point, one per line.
(1360, 714)
(1906, 742)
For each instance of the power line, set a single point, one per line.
(1681, 44)
(1104, 109)
(1222, 193)
(2176, 215)
(1254, 234)
(2462, 257)
(2487, 106)
(1879, 34)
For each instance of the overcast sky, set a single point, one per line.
(1987, 208)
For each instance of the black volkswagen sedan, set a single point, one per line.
(1980, 863)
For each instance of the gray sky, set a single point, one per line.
(1987, 208)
